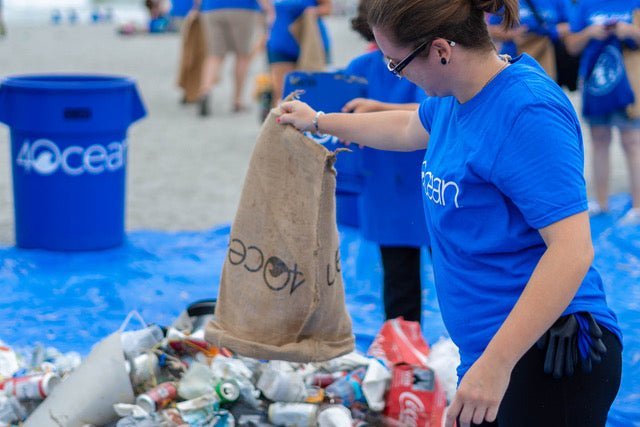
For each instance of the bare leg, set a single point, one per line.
(278, 71)
(242, 68)
(210, 73)
(3, 29)
(631, 145)
(210, 76)
(601, 140)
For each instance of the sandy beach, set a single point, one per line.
(184, 172)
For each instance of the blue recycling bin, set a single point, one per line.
(69, 155)
(329, 91)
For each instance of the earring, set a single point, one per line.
(443, 61)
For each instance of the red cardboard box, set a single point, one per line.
(415, 398)
(400, 341)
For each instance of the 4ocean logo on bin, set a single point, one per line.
(44, 157)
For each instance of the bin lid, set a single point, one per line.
(46, 100)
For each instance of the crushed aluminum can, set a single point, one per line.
(31, 387)
(228, 391)
(158, 397)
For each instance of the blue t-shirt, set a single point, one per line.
(391, 212)
(209, 5)
(497, 169)
(553, 12)
(600, 12)
(280, 38)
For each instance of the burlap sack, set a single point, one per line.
(194, 52)
(632, 66)
(306, 31)
(281, 292)
(542, 50)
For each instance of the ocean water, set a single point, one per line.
(71, 12)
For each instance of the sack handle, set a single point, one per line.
(127, 320)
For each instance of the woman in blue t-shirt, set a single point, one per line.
(505, 197)
(282, 48)
(595, 25)
(390, 204)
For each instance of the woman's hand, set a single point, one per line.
(479, 395)
(598, 32)
(298, 114)
(518, 35)
(361, 105)
(624, 30)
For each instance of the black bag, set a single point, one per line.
(566, 64)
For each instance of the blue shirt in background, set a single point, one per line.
(497, 169)
(600, 12)
(280, 38)
(209, 5)
(553, 12)
(391, 212)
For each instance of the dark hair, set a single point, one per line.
(359, 24)
(412, 22)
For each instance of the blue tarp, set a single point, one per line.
(72, 300)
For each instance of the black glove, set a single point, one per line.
(572, 338)
(561, 343)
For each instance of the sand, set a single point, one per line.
(184, 172)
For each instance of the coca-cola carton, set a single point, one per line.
(416, 398)
(400, 341)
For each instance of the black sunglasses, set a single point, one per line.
(396, 69)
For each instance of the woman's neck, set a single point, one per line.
(475, 72)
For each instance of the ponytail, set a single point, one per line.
(509, 9)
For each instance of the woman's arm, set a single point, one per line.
(576, 42)
(268, 10)
(497, 32)
(550, 289)
(323, 8)
(366, 105)
(388, 130)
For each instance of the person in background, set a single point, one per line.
(230, 26)
(159, 21)
(391, 200)
(594, 23)
(282, 48)
(3, 28)
(538, 18)
(506, 210)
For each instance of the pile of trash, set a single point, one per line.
(172, 377)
